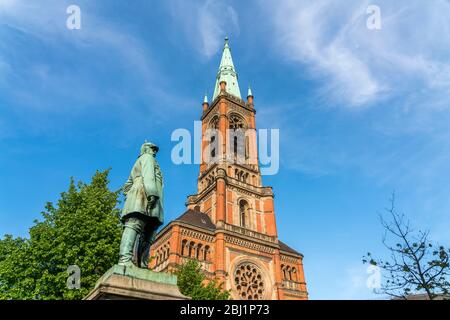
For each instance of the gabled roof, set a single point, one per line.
(286, 248)
(196, 218)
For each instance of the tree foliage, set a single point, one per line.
(191, 282)
(416, 264)
(82, 230)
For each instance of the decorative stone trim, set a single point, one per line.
(161, 240)
(249, 282)
(265, 289)
(249, 244)
(289, 259)
(197, 235)
(249, 233)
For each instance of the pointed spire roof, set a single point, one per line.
(205, 99)
(249, 92)
(227, 73)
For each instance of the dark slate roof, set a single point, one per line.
(196, 218)
(202, 220)
(285, 247)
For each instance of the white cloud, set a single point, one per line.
(359, 66)
(211, 20)
(54, 75)
(44, 25)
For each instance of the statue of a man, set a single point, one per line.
(142, 213)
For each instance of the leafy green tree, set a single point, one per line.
(83, 230)
(416, 264)
(191, 282)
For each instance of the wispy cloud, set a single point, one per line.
(207, 23)
(29, 26)
(358, 66)
(103, 70)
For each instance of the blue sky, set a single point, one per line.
(361, 112)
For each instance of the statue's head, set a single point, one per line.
(150, 148)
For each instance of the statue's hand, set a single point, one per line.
(151, 202)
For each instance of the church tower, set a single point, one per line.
(230, 225)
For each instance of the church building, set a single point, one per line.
(230, 223)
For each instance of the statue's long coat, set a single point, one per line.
(145, 180)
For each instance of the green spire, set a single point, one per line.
(227, 73)
(249, 92)
(205, 99)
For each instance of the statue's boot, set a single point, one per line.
(144, 253)
(148, 238)
(126, 246)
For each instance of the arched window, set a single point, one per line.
(198, 255)
(213, 129)
(283, 269)
(237, 122)
(237, 128)
(191, 249)
(168, 250)
(183, 247)
(213, 150)
(214, 124)
(289, 274)
(206, 253)
(294, 274)
(243, 213)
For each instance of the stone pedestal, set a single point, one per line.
(132, 283)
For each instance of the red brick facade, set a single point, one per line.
(230, 225)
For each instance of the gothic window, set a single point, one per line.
(294, 274)
(206, 253)
(214, 125)
(168, 250)
(237, 125)
(249, 282)
(236, 122)
(191, 249)
(183, 247)
(198, 253)
(243, 212)
(213, 150)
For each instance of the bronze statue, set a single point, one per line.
(142, 213)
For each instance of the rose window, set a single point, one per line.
(249, 282)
